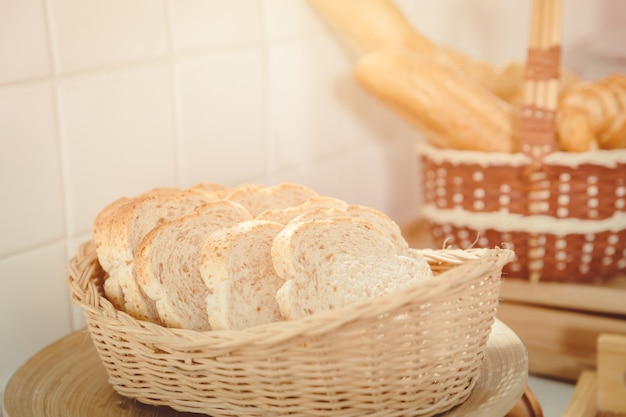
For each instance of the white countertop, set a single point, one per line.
(553, 395)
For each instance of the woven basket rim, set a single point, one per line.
(475, 261)
(603, 157)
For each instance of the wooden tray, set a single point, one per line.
(558, 323)
(68, 379)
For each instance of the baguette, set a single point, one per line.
(368, 26)
(434, 97)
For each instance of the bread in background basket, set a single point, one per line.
(498, 166)
(373, 327)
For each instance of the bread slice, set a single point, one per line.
(331, 262)
(167, 263)
(102, 228)
(102, 224)
(109, 220)
(376, 217)
(258, 198)
(347, 280)
(236, 266)
(130, 225)
(285, 215)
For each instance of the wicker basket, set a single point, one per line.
(418, 350)
(563, 213)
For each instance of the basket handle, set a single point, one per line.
(541, 84)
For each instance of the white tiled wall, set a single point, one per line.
(100, 99)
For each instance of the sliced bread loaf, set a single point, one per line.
(167, 266)
(236, 266)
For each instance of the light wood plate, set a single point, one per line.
(68, 379)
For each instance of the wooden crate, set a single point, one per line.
(558, 323)
(602, 393)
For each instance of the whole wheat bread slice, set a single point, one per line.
(130, 225)
(102, 228)
(167, 263)
(376, 217)
(347, 280)
(331, 262)
(236, 266)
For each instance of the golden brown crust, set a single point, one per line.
(373, 25)
(454, 112)
(592, 114)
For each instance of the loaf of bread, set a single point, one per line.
(199, 259)
(456, 101)
(375, 25)
(367, 26)
(436, 98)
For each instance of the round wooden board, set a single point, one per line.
(68, 379)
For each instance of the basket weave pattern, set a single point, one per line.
(419, 349)
(586, 192)
(568, 225)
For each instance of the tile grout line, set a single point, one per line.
(270, 141)
(177, 142)
(61, 142)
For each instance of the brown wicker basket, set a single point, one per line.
(415, 351)
(563, 213)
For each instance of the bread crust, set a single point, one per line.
(436, 98)
(592, 115)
